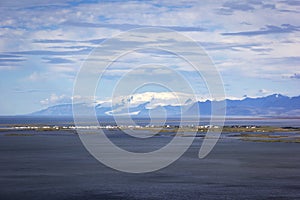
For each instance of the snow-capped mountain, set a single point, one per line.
(273, 105)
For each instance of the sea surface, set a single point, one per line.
(279, 122)
(55, 165)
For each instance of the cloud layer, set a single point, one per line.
(254, 44)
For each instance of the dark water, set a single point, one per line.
(55, 165)
(9, 120)
(58, 167)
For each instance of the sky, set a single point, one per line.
(253, 44)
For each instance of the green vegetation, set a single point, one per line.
(225, 129)
(269, 129)
(292, 140)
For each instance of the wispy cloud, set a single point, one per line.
(269, 29)
(253, 43)
(292, 2)
(56, 99)
(56, 60)
(21, 90)
(7, 60)
(53, 53)
(291, 60)
(295, 76)
(229, 7)
(54, 41)
(125, 27)
(9, 56)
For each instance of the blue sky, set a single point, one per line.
(254, 44)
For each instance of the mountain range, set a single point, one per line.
(275, 105)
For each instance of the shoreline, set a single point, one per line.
(267, 134)
(166, 128)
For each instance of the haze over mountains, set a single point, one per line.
(269, 106)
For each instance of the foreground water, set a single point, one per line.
(55, 165)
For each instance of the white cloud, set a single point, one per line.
(35, 76)
(240, 57)
(264, 92)
(153, 100)
(55, 99)
(121, 103)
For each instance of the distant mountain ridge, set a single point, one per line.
(269, 106)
